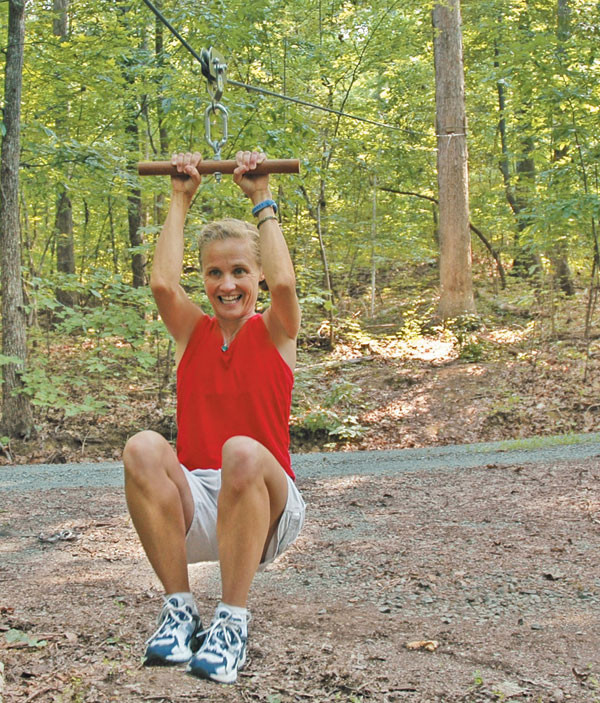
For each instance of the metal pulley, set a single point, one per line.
(214, 69)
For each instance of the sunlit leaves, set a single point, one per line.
(370, 59)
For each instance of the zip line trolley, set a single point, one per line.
(214, 69)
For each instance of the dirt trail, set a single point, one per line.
(494, 557)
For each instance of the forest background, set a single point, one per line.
(106, 85)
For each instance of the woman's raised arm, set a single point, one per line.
(283, 316)
(177, 311)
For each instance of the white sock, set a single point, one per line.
(240, 614)
(186, 597)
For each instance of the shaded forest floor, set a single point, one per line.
(391, 382)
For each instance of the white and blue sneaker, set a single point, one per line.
(223, 651)
(176, 638)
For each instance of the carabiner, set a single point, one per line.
(214, 69)
(216, 144)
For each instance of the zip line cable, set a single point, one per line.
(175, 33)
(263, 91)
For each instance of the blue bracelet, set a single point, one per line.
(261, 206)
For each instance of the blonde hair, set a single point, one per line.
(230, 228)
(226, 229)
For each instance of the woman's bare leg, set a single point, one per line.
(252, 498)
(161, 506)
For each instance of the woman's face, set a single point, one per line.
(231, 276)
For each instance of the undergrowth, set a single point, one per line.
(105, 367)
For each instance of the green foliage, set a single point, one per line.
(328, 418)
(112, 337)
(9, 360)
(464, 329)
(104, 98)
(417, 317)
(5, 447)
(14, 636)
(471, 351)
(81, 91)
(336, 425)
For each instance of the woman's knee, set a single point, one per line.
(241, 462)
(142, 455)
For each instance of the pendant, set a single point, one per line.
(225, 347)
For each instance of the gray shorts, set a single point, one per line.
(201, 539)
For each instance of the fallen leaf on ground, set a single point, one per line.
(428, 645)
(508, 689)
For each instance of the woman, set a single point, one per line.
(228, 492)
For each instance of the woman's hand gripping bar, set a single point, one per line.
(166, 168)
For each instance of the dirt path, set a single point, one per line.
(496, 561)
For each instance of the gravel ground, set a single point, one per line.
(316, 465)
(487, 552)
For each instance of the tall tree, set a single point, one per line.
(17, 417)
(558, 254)
(520, 182)
(526, 261)
(134, 205)
(65, 243)
(456, 288)
(133, 109)
(163, 134)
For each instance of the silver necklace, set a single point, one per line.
(227, 343)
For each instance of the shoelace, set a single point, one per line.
(177, 614)
(222, 633)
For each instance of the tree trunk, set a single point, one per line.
(326, 269)
(17, 417)
(518, 193)
(163, 133)
(559, 253)
(65, 243)
(134, 193)
(563, 14)
(134, 212)
(316, 213)
(373, 244)
(65, 246)
(504, 157)
(456, 288)
(525, 263)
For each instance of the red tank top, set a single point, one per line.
(246, 391)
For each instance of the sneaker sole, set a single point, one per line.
(159, 661)
(155, 660)
(199, 674)
(232, 678)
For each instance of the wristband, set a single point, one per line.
(261, 206)
(265, 219)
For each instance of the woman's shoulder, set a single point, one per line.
(278, 338)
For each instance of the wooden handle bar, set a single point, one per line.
(165, 168)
